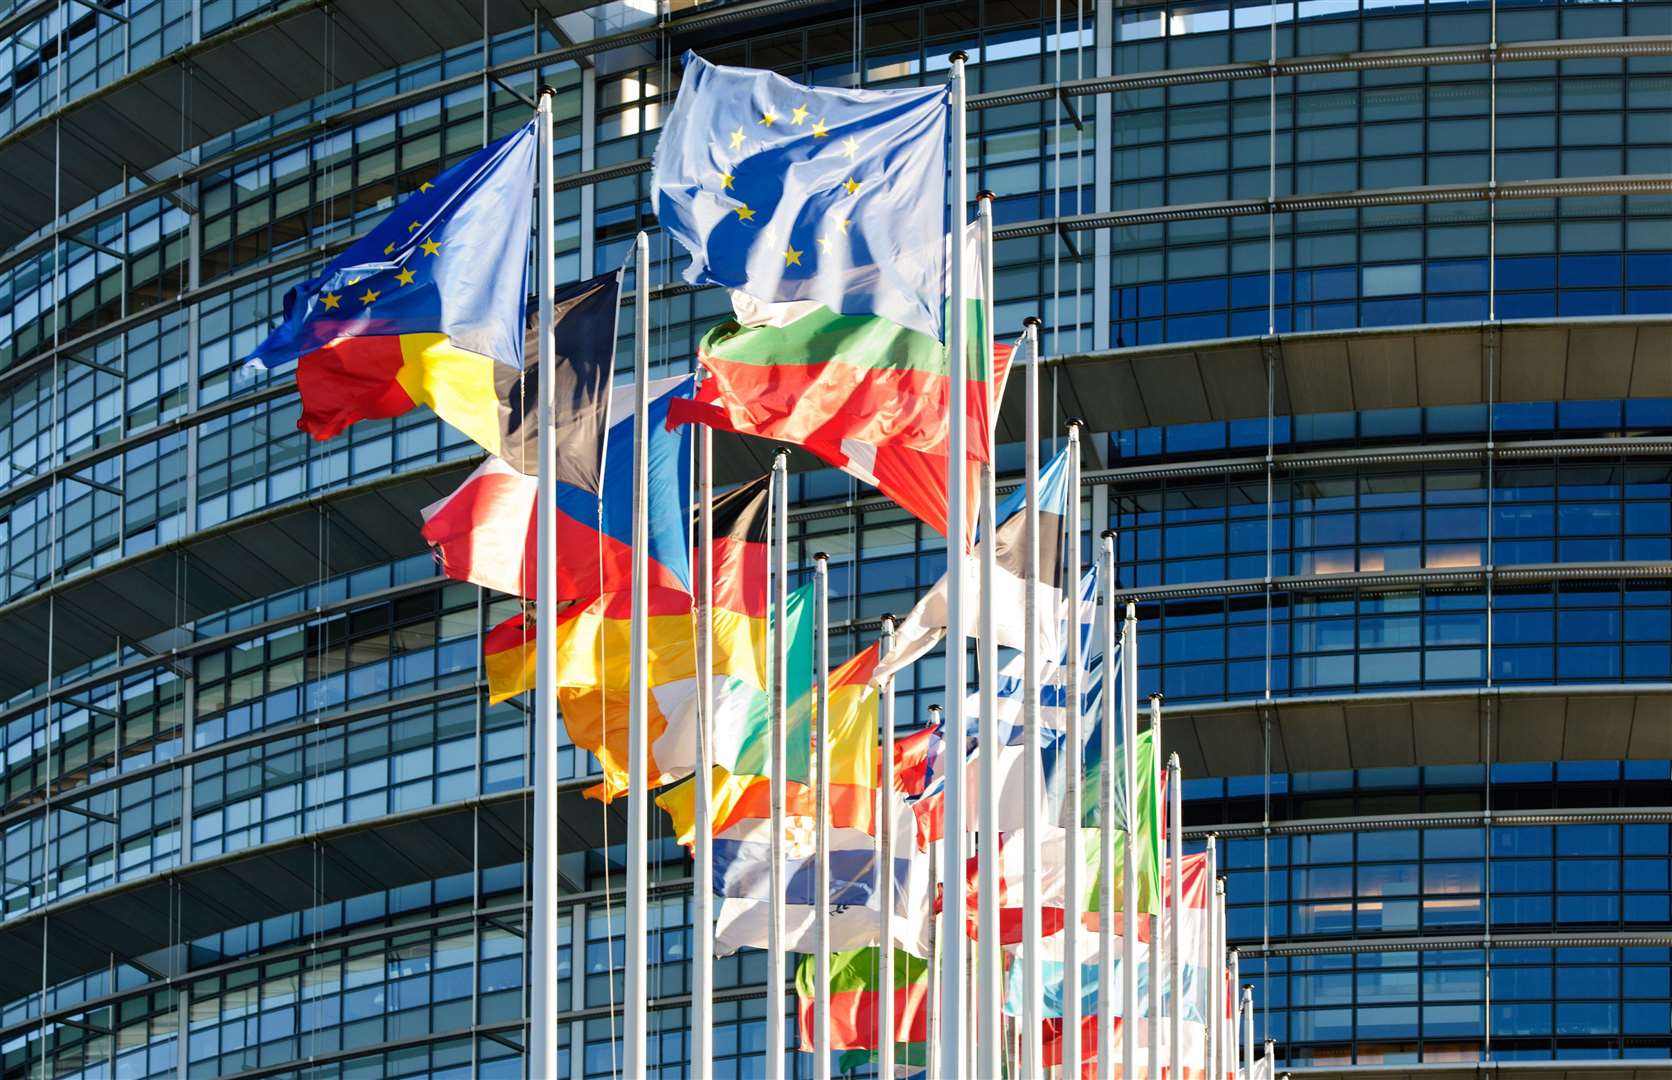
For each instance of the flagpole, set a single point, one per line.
(1236, 1016)
(1033, 980)
(702, 868)
(989, 1040)
(1132, 912)
(636, 1026)
(1175, 902)
(1216, 987)
(1158, 923)
(1072, 1051)
(542, 1028)
(954, 1047)
(931, 1051)
(775, 959)
(1115, 714)
(1248, 1029)
(821, 821)
(885, 866)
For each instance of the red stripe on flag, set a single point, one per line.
(352, 378)
(853, 1017)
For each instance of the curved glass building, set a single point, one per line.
(1367, 306)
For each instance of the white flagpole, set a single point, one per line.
(954, 1043)
(1131, 912)
(1033, 980)
(1248, 1029)
(1158, 923)
(937, 923)
(1115, 713)
(989, 1041)
(1175, 918)
(1236, 1016)
(776, 965)
(1216, 988)
(1073, 1053)
(821, 821)
(885, 866)
(702, 865)
(1221, 968)
(542, 1028)
(636, 1027)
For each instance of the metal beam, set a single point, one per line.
(102, 9)
(109, 489)
(96, 365)
(85, 812)
(509, 89)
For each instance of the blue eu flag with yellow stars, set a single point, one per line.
(791, 192)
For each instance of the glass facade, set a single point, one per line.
(257, 816)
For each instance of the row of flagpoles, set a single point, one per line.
(427, 309)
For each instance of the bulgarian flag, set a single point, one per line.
(863, 394)
(855, 987)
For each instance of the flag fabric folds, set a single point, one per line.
(792, 192)
(739, 798)
(742, 921)
(741, 734)
(584, 317)
(1197, 968)
(923, 628)
(592, 678)
(593, 654)
(861, 393)
(855, 991)
(484, 532)
(508, 657)
(425, 309)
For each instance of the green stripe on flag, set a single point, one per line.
(747, 750)
(1148, 830)
(856, 970)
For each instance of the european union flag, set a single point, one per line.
(792, 192)
(426, 308)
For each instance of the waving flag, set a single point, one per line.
(861, 393)
(742, 922)
(483, 532)
(855, 993)
(592, 677)
(740, 797)
(923, 628)
(426, 309)
(593, 653)
(792, 192)
(741, 737)
(1198, 967)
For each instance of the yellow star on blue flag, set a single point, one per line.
(753, 169)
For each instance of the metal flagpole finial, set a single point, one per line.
(547, 90)
(1075, 422)
(1033, 320)
(958, 56)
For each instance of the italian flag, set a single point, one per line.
(863, 394)
(855, 992)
